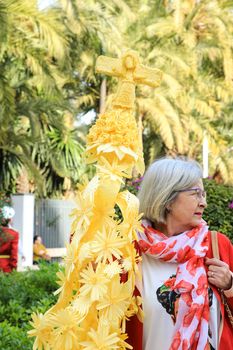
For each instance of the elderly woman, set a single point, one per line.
(181, 280)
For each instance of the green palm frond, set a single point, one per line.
(159, 122)
(172, 84)
(20, 160)
(44, 26)
(4, 22)
(7, 96)
(85, 100)
(164, 27)
(177, 60)
(221, 165)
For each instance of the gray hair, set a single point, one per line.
(161, 182)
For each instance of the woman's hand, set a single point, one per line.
(219, 273)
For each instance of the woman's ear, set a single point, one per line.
(168, 210)
(168, 207)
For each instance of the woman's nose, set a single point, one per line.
(203, 202)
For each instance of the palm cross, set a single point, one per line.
(130, 72)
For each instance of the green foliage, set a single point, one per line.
(47, 70)
(35, 98)
(218, 213)
(189, 41)
(21, 294)
(13, 337)
(4, 201)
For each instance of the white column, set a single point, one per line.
(205, 154)
(23, 222)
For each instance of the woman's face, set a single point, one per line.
(185, 212)
(39, 240)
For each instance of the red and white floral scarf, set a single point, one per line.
(188, 250)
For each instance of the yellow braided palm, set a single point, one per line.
(93, 303)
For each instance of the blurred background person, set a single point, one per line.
(9, 239)
(39, 250)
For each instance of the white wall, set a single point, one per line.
(23, 222)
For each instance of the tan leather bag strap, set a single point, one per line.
(214, 242)
(215, 249)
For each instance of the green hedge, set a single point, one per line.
(21, 294)
(219, 211)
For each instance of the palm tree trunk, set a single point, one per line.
(140, 135)
(103, 94)
(22, 182)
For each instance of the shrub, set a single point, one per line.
(13, 337)
(219, 214)
(27, 288)
(23, 293)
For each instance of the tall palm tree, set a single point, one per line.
(96, 29)
(191, 42)
(35, 67)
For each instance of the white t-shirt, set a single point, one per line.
(159, 306)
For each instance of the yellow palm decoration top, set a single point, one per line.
(94, 303)
(130, 72)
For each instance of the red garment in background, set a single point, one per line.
(9, 246)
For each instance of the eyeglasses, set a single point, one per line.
(196, 191)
